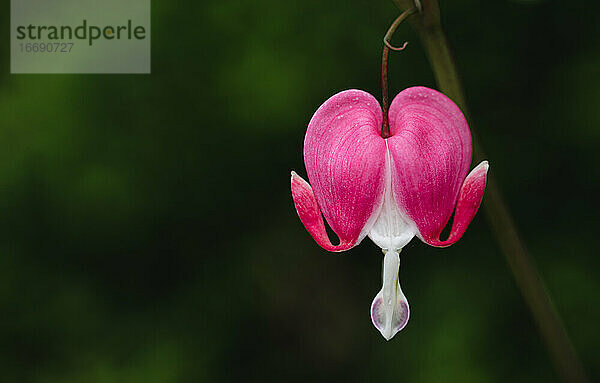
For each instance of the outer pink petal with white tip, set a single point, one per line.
(431, 153)
(344, 156)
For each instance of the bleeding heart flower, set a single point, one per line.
(389, 189)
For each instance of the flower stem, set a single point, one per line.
(385, 128)
(562, 353)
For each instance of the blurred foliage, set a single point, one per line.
(147, 232)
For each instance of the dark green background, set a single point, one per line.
(147, 232)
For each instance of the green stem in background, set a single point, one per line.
(567, 364)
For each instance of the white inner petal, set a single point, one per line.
(389, 310)
(392, 229)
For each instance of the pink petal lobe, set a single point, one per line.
(310, 215)
(469, 199)
(430, 148)
(344, 155)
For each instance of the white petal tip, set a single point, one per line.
(389, 337)
(390, 320)
(484, 164)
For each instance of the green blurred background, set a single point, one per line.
(147, 232)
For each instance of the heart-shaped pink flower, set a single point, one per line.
(390, 189)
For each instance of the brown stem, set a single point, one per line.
(562, 353)
(385, 129)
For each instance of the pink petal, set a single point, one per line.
(469, 199)
(310, 215)
(344, 155)
(430, 148)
